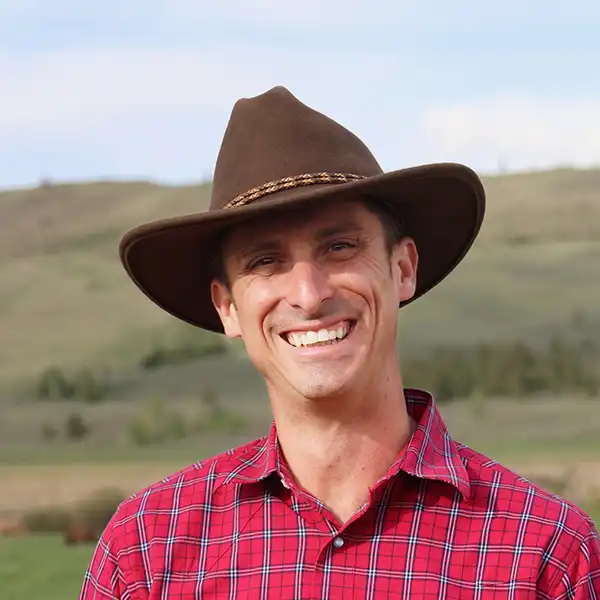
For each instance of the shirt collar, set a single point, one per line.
(429, 454)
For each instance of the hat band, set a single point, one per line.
(289, 183)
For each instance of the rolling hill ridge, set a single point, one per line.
(66, 300)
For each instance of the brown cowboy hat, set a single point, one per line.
(278, 152)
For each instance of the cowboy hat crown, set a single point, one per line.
(277, 153)
(275, 142)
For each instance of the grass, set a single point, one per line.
(55, 315)
(503, 293)
(63, 479)
(561, 433)
(41, 568)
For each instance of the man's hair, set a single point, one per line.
(393, 230)
(393, 227)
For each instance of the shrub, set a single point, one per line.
(48, 431)
(216, 418)
(222, 420)
(75, 427)
(511, 370)
(95, 512)
(54, 384)
(139, 433)
(46, 520)
(88, 387)
(156, 424)
(89, 515)
(189, 347)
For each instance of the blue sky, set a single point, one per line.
(144, 89)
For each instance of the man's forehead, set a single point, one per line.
(320, 221)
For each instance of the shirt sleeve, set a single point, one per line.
(581, 579)
(103, 579)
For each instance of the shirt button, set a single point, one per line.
(338, 542)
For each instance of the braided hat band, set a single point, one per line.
(288, 183)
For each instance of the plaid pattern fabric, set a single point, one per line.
(446, 522)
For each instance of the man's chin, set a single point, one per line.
(322, 386)
(316, 379)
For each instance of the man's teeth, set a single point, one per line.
(323, 336)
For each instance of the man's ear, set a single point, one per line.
(405, 260)
(224, 305)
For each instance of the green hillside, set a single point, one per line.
(66, 301)
(71, 319)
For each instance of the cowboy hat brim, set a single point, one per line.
(441, 207)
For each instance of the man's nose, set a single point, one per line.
(308, 287)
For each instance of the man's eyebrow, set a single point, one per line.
(256, 247)
(337, 229)
(344, 227)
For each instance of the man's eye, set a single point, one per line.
(337, 246)
(261, 262)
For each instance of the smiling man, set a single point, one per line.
(307, 253)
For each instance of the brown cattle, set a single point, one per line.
(12, 528)
(76, 533)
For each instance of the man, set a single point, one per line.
(306, 253)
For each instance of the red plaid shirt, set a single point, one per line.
(446, 522)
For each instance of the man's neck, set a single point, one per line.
(337, 453)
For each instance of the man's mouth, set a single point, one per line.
(319, 337)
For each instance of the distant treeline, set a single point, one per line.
(506, 370)
(492, 370)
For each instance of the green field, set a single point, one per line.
(548, 437)
(42, 568)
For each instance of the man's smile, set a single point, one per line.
(321, 336)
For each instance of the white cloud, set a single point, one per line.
(150, 89)
(162, 110)
(74, 93)
(81, 92)
(520, 131)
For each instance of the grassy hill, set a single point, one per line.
(66, 301)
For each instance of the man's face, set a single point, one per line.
(314, 295)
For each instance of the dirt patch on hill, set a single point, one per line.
(577, 481)
(26, 488)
